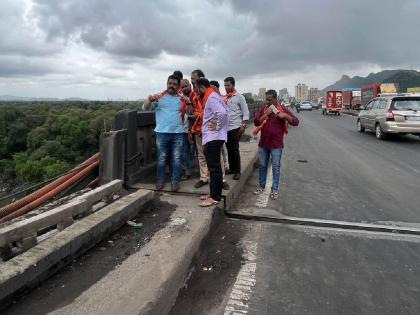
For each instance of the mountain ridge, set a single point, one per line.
(405, 78)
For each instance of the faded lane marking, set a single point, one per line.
(245, 281)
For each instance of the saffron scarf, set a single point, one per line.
(260, 127)
(200, 104)
(229, 95)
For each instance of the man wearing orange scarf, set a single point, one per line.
(273, 127)
(196, 111)
(187, 95)
(238, 120)
(170, 128)
(214, 133)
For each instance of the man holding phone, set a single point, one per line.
(170, 130)
(272, 121)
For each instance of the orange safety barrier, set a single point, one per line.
(40, 192)
(50, 194)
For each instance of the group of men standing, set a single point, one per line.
(200, 115)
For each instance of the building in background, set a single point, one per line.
(261, 94)
(248, 97)
(301, 92)
(314, 94)
(284, 95)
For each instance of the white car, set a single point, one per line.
(305, 106)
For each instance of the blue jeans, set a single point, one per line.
(264, 157)
(169, 145)
(186, 155)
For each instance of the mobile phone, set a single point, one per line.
(274, 109)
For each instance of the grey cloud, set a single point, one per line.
(14, 66)
(223, 37)
(334, 32)
(18, 32)
(133, 28)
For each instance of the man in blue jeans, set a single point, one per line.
(272, 121)
(170, 116)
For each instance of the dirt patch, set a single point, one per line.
(215, 271)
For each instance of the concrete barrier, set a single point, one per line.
(148, 282)
(46, 258)
(26, 231)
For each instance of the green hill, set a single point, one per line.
(357, 81)
(405, 79)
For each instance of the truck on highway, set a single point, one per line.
(414, 90)
(375, 89)
(352, 98)
(388, 88)
(368, 92)
(333, 103)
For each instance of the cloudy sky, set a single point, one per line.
(100, 49)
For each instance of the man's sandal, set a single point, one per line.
(204, 197)
(208, 203)
(274, 195)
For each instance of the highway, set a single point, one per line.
(332, 172)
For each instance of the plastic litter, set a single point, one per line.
(134, 223)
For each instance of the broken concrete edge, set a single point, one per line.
(166, 296)
(170, 287)
(163, 266)
(40, 262)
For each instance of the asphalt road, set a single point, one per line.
(348, 175)
(278, 268)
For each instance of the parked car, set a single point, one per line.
(391, 114)
(306, 106)
(315, 106)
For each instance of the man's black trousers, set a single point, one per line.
(234, 156)
(212, 151)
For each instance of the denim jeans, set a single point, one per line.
(264, 157)
(186, 155)
(169, 146)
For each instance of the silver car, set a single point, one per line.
(305, 106)
(391, 114)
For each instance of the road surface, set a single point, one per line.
(329, 171)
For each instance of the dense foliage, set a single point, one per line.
(40, 140)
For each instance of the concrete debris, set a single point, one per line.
(177, 221)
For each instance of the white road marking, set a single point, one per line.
(245, 281)
(262, 199)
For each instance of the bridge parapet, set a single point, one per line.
(129, 152)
